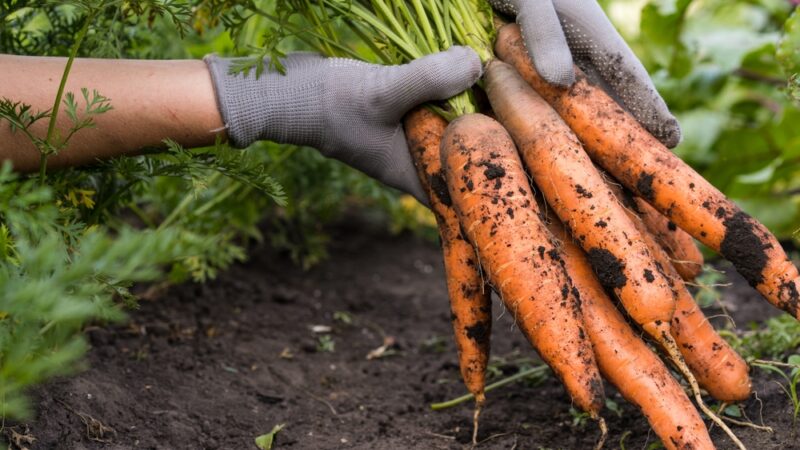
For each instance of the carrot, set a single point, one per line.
(627, 362)
(579, 196)
(470, 298)
(618, 143)
(717, 366)
(492, 197)
(680, 247)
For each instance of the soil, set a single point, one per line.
(212, 366)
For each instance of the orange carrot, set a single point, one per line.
(470, 298)
(494, 203)
(680, 247)
(617, 142)
(579, 196)
(627, 362)
(717, 366)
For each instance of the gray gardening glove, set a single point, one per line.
(347, 109)
(556, 31)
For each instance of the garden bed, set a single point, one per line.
(215, 365)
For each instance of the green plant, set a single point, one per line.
(725, 69)
(69, 254)
(326, 344)
(773, 339)
(792, 378)
(265, 441)
(199, 208)
(534, 374)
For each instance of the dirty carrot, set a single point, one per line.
(617, 142)
(470, 298)
(682, 251)
(716, 365)
(492, 197)
(578, 194)
(627, 362)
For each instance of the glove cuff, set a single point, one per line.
(271, 107)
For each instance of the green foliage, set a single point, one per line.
(265, 441)
(776, 338)
(792, 378)
(725, 69)
(55, 276)
(326, 344)
(69, 249)
(73, 242)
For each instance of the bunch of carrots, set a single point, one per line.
(562, 203)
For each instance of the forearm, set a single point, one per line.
(152, 101)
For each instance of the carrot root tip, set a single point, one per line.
(601, 423)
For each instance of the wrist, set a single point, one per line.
(282, 108)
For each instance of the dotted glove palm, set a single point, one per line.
(347, 109)
(558, 31)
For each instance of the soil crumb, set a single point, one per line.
(439, 187)
(609, 268)
(492, 170)
(744, 248)
(645, 186)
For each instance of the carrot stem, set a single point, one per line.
(497, 384)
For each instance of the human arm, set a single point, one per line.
(152, 101)
(349, 110)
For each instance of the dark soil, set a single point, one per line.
(202, 366)
(608, 267)
(743, 246)
(645, 186)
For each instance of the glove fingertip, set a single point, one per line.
(556, 71)
(551, 56)
(670, 133)
(559, 76)
(466, 58)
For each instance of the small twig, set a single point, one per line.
(742, 423)
(324, 402)
(95, 430)
(497, 435)
(442, 436)
(773, 363)
(760, 407)
(464, 398)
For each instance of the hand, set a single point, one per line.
(558, 31)
(347, 109)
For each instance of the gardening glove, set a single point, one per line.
(347, 109)
(557, 31)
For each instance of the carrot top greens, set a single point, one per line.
(385, 31)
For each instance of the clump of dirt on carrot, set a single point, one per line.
(492, 197)
(618, 143)
(717, 366)
(579, 196)
(627, 362)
